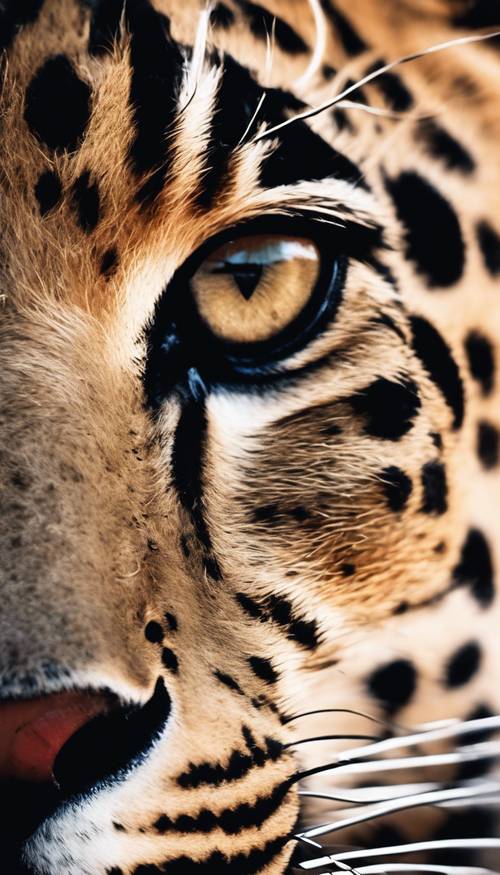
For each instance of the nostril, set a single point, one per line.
(32, 732)
(110, 743)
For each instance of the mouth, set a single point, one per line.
(57, 748)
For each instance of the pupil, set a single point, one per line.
(246, 276)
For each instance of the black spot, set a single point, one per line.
(475, 568)
(157, 63)
(394, 91)
(434, 487)
(489, 244)
(228, 681)
(397, 487)
(328, 72)
(341, 120)
(439, 363)
(109, 263)
(440, 144)
(57, 105)
(115, 870)
(86, 201)
(119, 828)
(393, 684)
(171, 621)
(105, 25)
(440, 548)
(222, 16)
(14, 15)
(347, 569)
(390, 408)
(263, 23)
(480, 712)
(300, 514)
(48, 191)
(170, 660)
(433, 235)
(481, 360)
(473, 823)
(267, 513)
(463, 665)
(251, 863)
(488, 444)
(350, 38)
(153, 632)
(436, 439)
(263, 669)
(389, 322)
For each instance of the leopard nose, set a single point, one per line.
(33, 732)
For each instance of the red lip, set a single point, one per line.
(33, 732)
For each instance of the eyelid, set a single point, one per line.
(267, 254)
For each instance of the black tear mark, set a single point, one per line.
(439, 363)
(435, 489)
(475, 568)
(393, 684)
(57, 105)
(463, 665)
(397, 487)
(87, 202)
(481, 360)
(432, 231)
(390, 408)
(48, 191)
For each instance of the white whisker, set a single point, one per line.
(410, 848)
(381, 868)
(319, 46)
(385, 68)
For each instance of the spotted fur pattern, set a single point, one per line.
(222, 554)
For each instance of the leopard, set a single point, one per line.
(250, 435)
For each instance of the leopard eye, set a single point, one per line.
(251, 289)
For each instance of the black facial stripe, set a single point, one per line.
(389, 408)
(104, 25)
(228, 682)
(240, 763)
(397, 487)
(433, 235)
(442, 368)
(232, 821)
(240, 864)
(86, 200)
(489, 243)
(14, 14)
(263, 669)
(478, 13)
(58, 104)
(434, 488)
(280, 611)
(156, 62)
(463, 665)
(481, 360)
(48, 191)
(263, 23)
(475, 568)
(488, 444)
(288, 164)
(440, 144)
(392, 88)
(393, 684)
(222, 16)
(351, 40)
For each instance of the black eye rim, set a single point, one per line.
(178, 339)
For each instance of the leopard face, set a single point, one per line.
(249, 426)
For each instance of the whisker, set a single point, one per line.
(385, 68)
(381, 868)
(332, 738)
(319, 46)
(470, 754)
(418, 800)
(410, 848)
(367, 795)
(371, 717)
